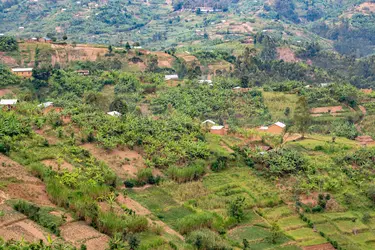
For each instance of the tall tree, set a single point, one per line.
(302, 118)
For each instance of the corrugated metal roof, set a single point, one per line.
(22, 69)
(8, 101)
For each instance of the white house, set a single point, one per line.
(45, 105)
(209, 121)
(280, 124)
(114, 114)
(8, 101)
(171, 77)
(205, 81)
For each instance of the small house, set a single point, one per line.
(171, 77)
(208, 122)
(23, 72)
(218, 130)
(205, 81)
(8, 104)
(114, 114)
(83, 72)
(45, 105)
(45, 40)
(33, 40)
(277, 128)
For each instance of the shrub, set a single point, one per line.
(195, 221)
(185, 174)
(206, 239)
(366, 218)
(109, 223)
(220, 164)
(236, 208)
(130, 183)
(39, 215)
(136, 224)
(144, 175)
(282, 162)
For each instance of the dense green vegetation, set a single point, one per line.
(155, 177)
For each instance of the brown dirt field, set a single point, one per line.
(20, 184)
(24, 229)
(311, 200)
(287, 55)
(124, 163)
(366, 7)
(5, 91)
(241, 28)
(10, 61)
(79, 233)
(43, 132)
(291, 137)
(81, 52)
(187, 57)
(164, 60)
(35, 193)
(145, 109)
(331, 109)
(140, 66)
(363, 109)
(133, 205)
(10, 216)
(326, 246)
(55, 166)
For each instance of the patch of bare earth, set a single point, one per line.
(291, 137)
(331, 109)
(187, 57)
(58, 166)
(20, 184)
(16, 226)
(326, 246)
(10, 61)
(125, 163)
(78, 233)
(366, 8)
(44, 133)
(164, 60)
(287, 55)
(4, 92)
(81, 52)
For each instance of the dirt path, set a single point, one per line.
(140, 210)
(225, 146)
(364, 113)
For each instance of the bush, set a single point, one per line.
(130, 183)
(208, 240)
(39, 215)
(136, 224)
(185, 174)
(195, 221)
(282, 161)
(220, 164)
